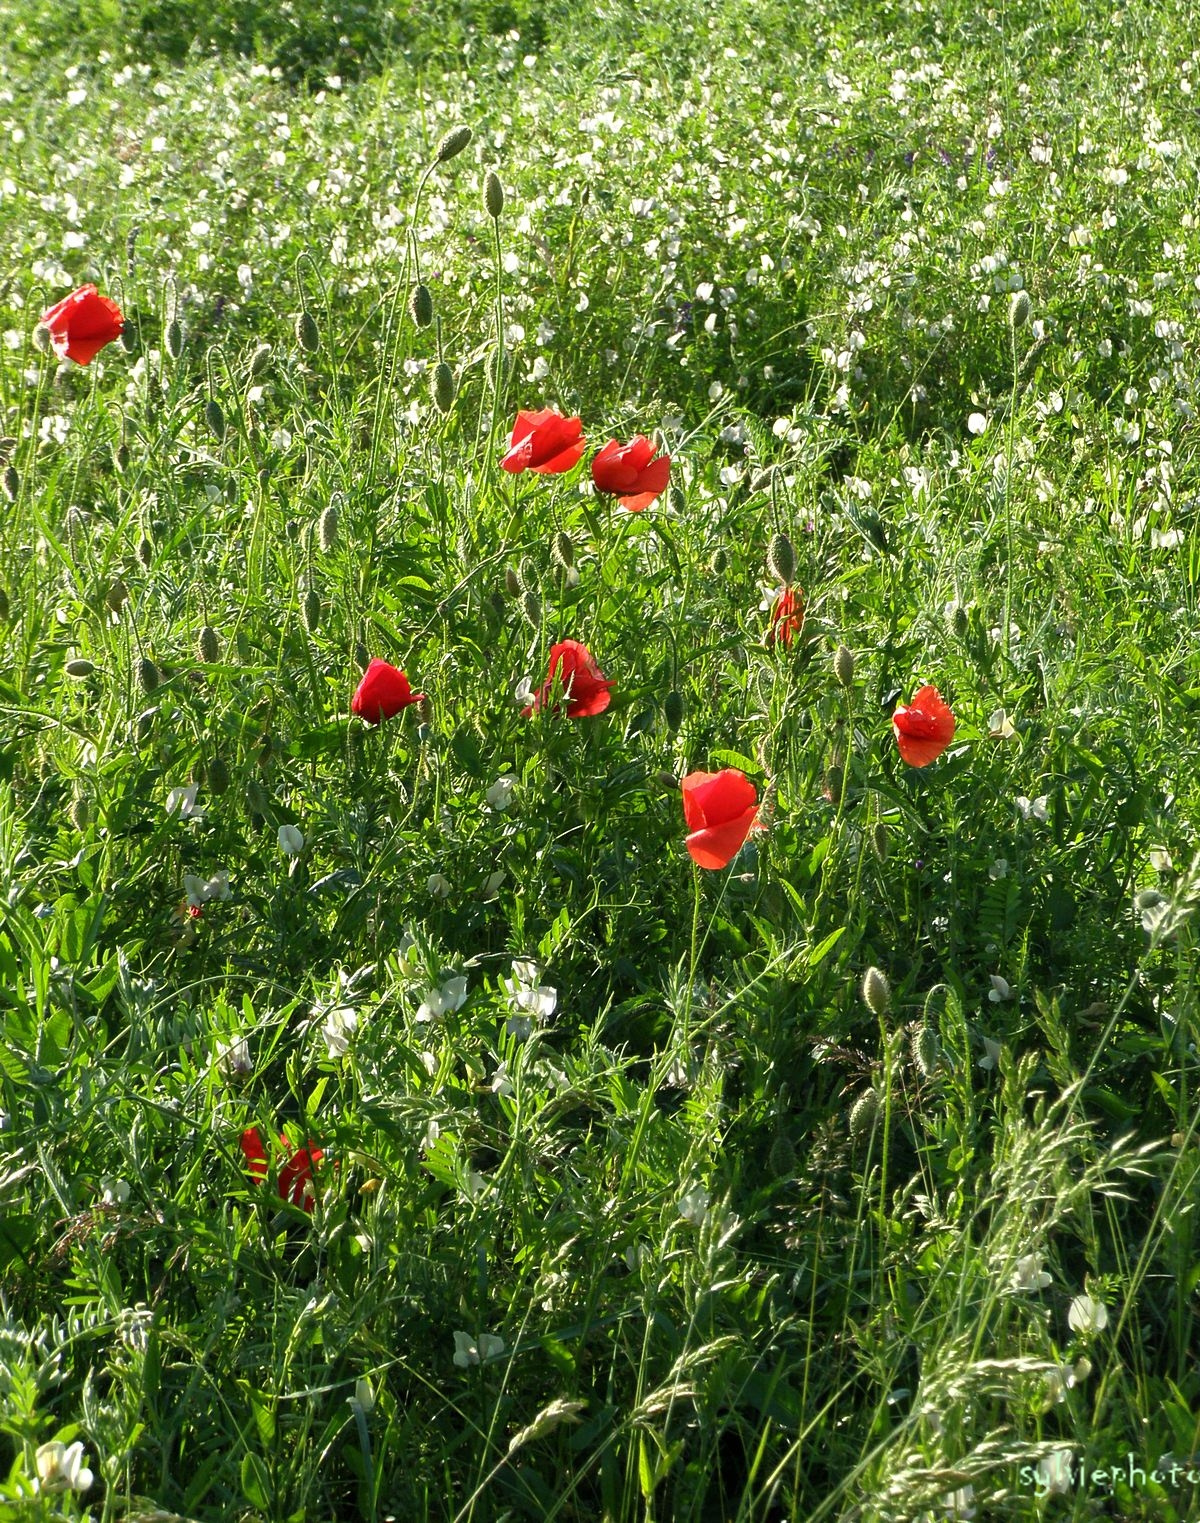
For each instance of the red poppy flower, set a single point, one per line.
(584, 685)
(630, 473)
(721, 809)
(295, 1172)
(382, 693)
(81, 324)
(545, 442)
(787, 616)
(924, 728)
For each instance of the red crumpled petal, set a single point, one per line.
(923, 728)
(382, 693)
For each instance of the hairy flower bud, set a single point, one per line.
(259, 361)
(531, 607)
(216, 775)
(512, 582)
(720, 560)
(879, 840)
(145, 551)
(926, 1049)
(562, 550)
(327, 528)
(493, 194)
(421, 306)
(957, 621)
(863, 1113)
(673, 710)
(5, 609)
(208, 646)
(1020, 308)
(215, 419)
(310, 610)
(147, 675)
(876, 991)
(452, 144)
(781, 559)
(81, 812)
(11, 482)
(308, 335)
(443, 386)
(173, 339)
(527, 574)
(843, 666)
(79, 667)
(782, 1158)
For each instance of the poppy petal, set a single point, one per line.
(715, 846)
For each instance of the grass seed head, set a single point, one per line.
(452, 144)
(781, 559)
(493, 195)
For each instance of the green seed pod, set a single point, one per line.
(781, 1160)
(216, 775)
(147, 675)
(493, 195)
(673, 710)
(259, 361)
(308, 335)
(79, 668)
(208, 646)
(81, 812)
(1020, 309)
(173, 339)
(863, 1113)
(781, 559)
(452, 144)
(512, 582)
(531, 608)
(527, 575)
(11, 482)
(327, 529)
(876, 991)
(843, 666)
(443, 386)
(879, 840)
(310, 610)
(720, 561)
(926, 1049)
(421, 306)
(215, 419)
(145, 551)
(562, 550)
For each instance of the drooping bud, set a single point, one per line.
(720, 560)
(173, 338)
(843, 666)
(327, 528)
(41, 338)
(879, 840)
(216, 775)
(1020, 308)
(781, 559)
(956, 618)
(208, 646)
(259, 361)
(512, 582)
(676, 500)
(5, 609)
(81, 812)
(421, 306)
(876, 991)
(782, 1158)
(452, 144)
(527, 574)
(926, 1049)
(121, 457)
(79, 668)
(12, 482)
(443, 386)
(308, 335)
(145, 551)
(147, 675)
(669, 781)
(310, 610)
(673, 710)
(863, 1113)
(493, 195)
(531, 608)
(215, 418)
(562, 550)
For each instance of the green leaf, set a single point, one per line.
(256, 1482)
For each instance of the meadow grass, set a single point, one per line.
(856, 1180)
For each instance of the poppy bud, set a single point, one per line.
(876, 991)
(81, 812)
(1019, 310)
(835, 783)
(121, 456)
(673, 710)
(216, 775)
(327, 528)
(956, 619)
(452, 144)
(80, 667)
(145, 551)
(863, 1113)
(308, 335)
(761, 479)
(879, 840)
(424, 710)
(676, 501)
(41, 338)
(843, 666)
(493, 195)
(208, 647)
(259, 361)
(781, 559)
(926, 1049)
(512, 582)
(421, 306)
(361, 655)
(117, 596)
(215, 418)
(4, 606)
(531, 608)
(443, 386)
(310, 610)
(147, 675)
(720, 560)
(562, 550)
(173, 339)
(527, 574)
(669, 781)
(782, 1158)
(12, 482)
(256, 796)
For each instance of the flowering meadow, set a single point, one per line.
(599, 762)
